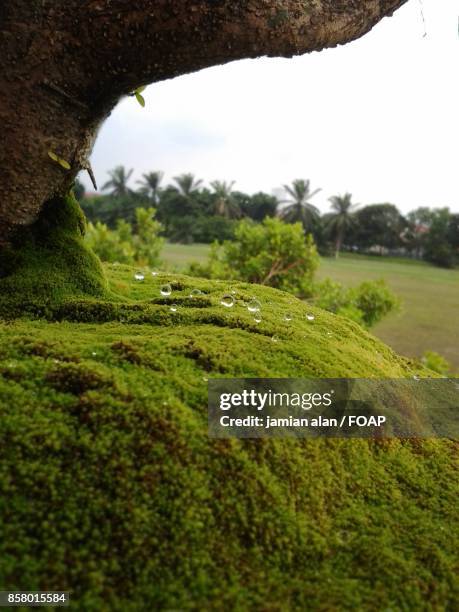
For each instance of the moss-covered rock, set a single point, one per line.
(112, 489)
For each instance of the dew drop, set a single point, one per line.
(174, 308)
(275, 339)
(310, 316)
(195, 293)
(254, 306)
(228, 301)
(257, 318)
(329, 334)
(94, 354)
(166, 290)
(139, 276)
(288, 317)
(416, 377)
(154, 273)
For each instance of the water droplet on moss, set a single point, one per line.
(310, 316)
(166, 290)
(288, 317)
(275, 339)
(154, 273)
(174, 308)
(257, 318)
(227, 301)
(254, 306)
(195, 293)
(139, 276)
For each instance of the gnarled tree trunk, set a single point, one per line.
(66, 63)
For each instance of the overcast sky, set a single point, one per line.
(377, 118)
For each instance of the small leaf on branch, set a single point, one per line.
(140, 99)
(137, 93)
(64, 164)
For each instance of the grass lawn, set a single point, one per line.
(180, 255)
(429, 318)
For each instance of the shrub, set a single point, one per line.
(366, 304)
(375, 300)
(146, 241)
(440, 254)
(109, 244)
(278, 254)
(437, 363)
(270, 253)
(125, 244)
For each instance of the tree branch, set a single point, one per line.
(95, 51)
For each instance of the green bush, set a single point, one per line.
(270, 253)
(437, 363)
(366, 304)
(145, 240)
(375, 300)
(277, 254)
(111, 245)
(440, 254)
(125, 244)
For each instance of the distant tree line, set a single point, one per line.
(191, 212)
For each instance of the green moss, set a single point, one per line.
(112, 489)
(49, 262)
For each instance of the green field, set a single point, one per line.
(429, 317)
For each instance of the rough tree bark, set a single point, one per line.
(66, 63)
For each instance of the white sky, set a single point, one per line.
(377, 117)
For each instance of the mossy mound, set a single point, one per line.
(49, 262)
(112, 489)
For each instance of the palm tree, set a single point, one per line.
(225, 204)
(341, 219)
(118, 181)
(150, 185)
(298, 207)
(187, 185)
